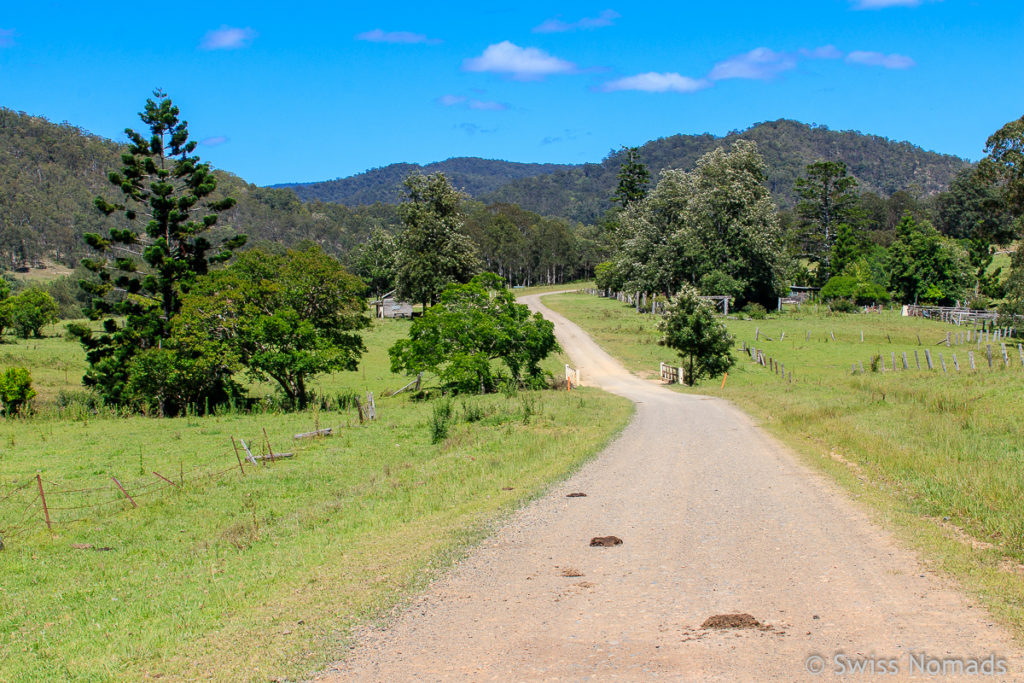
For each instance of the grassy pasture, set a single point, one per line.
(260, 576)
(939, 456)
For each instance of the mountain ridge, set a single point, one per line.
(583, 191)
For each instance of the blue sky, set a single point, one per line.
(314, 91)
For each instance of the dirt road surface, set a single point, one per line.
(716, 517)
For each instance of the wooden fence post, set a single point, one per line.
(238, 457)
(988, 353)
(942, 361)
(956, 363)
(917, 360)
(46, 510)
(894, 361)
(905, 365)
(928, 358)
(130, 499)
(970, 357)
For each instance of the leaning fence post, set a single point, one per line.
(917, 359)
(1006, 356)
(238, 457)
(46, 510)
(928, 358)
(130, 499)
(956, 363)
(970, 357)
(943, 361)
(906, 366)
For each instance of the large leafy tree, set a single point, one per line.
(974, 210)
(473, 326)
(827, 201)
(29, 311)
(156, 249)
(433, 251)
(1005, 163)
(690, 327)
(925, 266)
(374, 261)
(283, 317)
(716, 223)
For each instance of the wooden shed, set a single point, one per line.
(390, 307)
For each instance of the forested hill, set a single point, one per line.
(49, 174)
(582, 192)
(476, 176)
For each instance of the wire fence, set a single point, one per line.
(28, 506)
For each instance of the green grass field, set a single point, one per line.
(939, 456)
(256, 576)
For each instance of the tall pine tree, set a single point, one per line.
(156, 248)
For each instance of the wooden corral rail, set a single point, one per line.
(955, 315)
(672, 374)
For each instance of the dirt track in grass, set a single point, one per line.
(715, 518)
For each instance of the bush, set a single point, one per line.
(15, 391)
(843, 306)
(755, 311)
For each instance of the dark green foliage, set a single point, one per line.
(5, 313)
(1005, 163)
(15, 391)
(975, 211)
(827, 200)
(607, 277)
(691, 328)
(472, 326)
(155, 250)
(28, 312)
(848, 247)
(282, 317)
(926, 267)
(633, 178)
(440, 420)
(432, 249)
(525, 248)
(474, 176)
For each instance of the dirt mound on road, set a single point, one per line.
(731, 621)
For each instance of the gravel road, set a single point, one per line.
(716, 517)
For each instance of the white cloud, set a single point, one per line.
(215, 141)
(6, 37)
(522, 63)
(450, 100)
(556, 25)
(893, 61)
(487, 105)
(657, 82)
(882, 4)
(228, 38)
(479, 105)
(761, 63)
(403, 37)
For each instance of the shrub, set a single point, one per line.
(15, 390)
(755, 311)
(29, 311)
(440, 421)
(843, 306)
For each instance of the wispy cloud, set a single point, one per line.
(479, 105)
(6, 37)
(657, 82)
(473, 129)
(882, 4)
(402, 37)
(893, 61)
(228, 38)
(215, 141)
(760, 63)
(556, 25)
(521, 63)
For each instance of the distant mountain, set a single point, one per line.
(582, 192)
(49, 174)
(473, 175)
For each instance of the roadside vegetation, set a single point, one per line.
(938, 455)
(257, 576)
